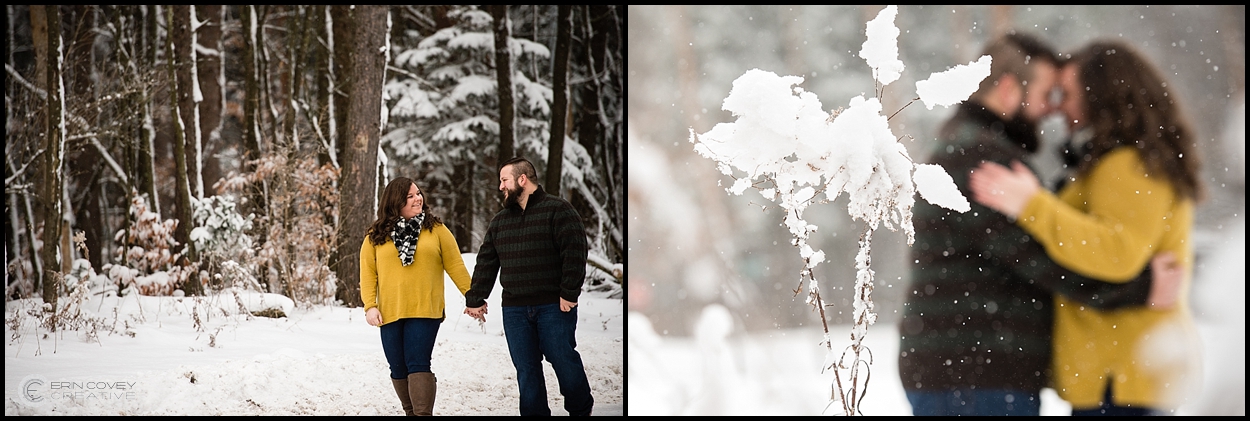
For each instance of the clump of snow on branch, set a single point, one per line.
(783, 136)
(937, 187)
(881, 49)
(792, 151)
(955, 85)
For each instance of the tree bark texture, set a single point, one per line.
(145, 179)
(344, 44)
(180, 35)
(53, 155)
(559, 90)
(251, 103)
(359, 179)
(503, 74)
(212, 109)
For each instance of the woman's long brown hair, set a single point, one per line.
(1129, 103)
(393, 199)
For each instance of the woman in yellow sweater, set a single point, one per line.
(401, 285)
(1132, 195)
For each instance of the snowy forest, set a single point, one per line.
(186, 149)
(716, 323)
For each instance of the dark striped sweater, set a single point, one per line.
(538, 254)
(979, 311)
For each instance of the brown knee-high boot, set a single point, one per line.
(401, 389)
(421, 389)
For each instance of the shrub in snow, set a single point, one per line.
(295, 231)
(220, 230)
(146, 250)
(97, 284)
(220, 234)
(72, 313)
(792, 151)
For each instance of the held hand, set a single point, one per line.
(478, 313)
(566, 305)
(374, 317)
(1004, 190)
(1166, 280)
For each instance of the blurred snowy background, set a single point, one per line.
(714, 325)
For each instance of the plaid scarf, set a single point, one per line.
(405, 235)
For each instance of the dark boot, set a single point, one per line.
(421, 389)
(401, 389)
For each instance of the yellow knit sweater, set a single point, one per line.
(415, 290)
(1108, 225)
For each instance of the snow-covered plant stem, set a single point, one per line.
(851, 396)
(797, 151)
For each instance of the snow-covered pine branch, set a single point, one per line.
(788, 148)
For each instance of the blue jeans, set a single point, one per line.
(535, 332)
(408, 345)
(966, 401)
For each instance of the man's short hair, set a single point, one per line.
(1015, 53)
(521, 166)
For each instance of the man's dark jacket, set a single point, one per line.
(538, 253)
(979, 311)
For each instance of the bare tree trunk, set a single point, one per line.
(358, 183)
(145, 179)
(270, 113)
(180, 34)
(67, 215)
(54, 146)
(342, 24)
(251, 103)
(212, 80)
(297, 28)
(30, 236)
(503, 74)
(292, 76)
(188, 90)
(559, 90)
(614, 150)
(325, 88)
(11, 13)
(461, 223)
(534, 63)
(13, 243)
(39, 36)
(599, 128)
(339, 24)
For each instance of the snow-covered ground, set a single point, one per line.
(778, 373)
(723, 371)
(320, 361)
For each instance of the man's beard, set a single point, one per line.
(1023, 131)
(512, 197)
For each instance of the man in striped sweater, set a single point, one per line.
(536, 246)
